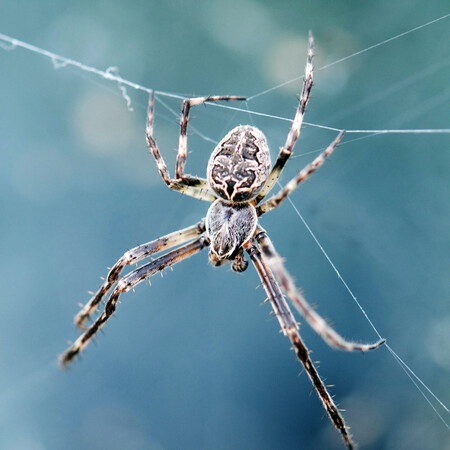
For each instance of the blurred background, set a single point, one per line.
(196, 360)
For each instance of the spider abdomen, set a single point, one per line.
(239, 165)
(229, 227)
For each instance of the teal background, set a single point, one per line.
(196, 361)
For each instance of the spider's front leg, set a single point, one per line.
(186, 184)
(317, 323)
(125, 284)
(289, 328)
(133, 256)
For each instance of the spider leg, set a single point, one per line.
(186, 184)
(294, 133)
(134, 256)
(275, 200)
(182, 144)
(318, 324)
(192, 186)
(125, 284)
(290, 329)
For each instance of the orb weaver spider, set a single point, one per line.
(239, 177)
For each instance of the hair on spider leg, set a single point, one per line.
(314, 305)
(259, 285)
(309, 394)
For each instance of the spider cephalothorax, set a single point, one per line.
(239, 165)
(229, 227)
(239, 178)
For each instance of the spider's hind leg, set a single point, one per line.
(275, 200)
(294, 133)
(186, 108)
(186, 184)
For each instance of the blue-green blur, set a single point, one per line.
(196, 361)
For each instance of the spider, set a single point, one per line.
(239, 177)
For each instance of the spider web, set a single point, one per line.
(111, 74)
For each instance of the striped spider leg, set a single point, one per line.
(310, 168)
(317, 323)
(290, 327)
(128, 282)
(186, 184)
(294, 132)
(133, 256)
